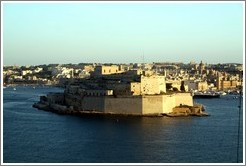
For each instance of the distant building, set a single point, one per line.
(107, 70)
(201, 68)
(38, 69)
(202, 86)
(25, 72)
(196, 85)
(224, 82)
(135, 72)
(88, 68)
(174, 84)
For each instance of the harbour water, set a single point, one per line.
(35, 136)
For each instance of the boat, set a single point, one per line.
(222, 93)
(206, 95)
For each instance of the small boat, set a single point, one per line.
(222, 93)
(206, 95)
(14, 88)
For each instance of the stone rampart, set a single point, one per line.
(123, 105)
(128, 105)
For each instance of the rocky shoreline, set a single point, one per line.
(184, 110)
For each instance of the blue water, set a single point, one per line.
(35, 136)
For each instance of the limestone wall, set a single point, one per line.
(135, 88)
(184, 99)
(73, 100)
(169, 102)
(93, 104)
(165, 103)
(138, 105)
(153, 85)
(123, 105)
(152, 104)
(55, 98)
(98, 92)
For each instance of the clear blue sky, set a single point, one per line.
(44, 33)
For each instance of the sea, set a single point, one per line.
(36, 136)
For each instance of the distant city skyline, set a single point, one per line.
(113, 32)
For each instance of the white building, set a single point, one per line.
(25, 72)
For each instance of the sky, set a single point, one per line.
(45, 33)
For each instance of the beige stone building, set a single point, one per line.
(148, 85)
(202, 86)
(227, 84)
(107, 70)
(174, 84)
(153, 85)
(224, 82)
(88, 68)
(196, 85)
(135, 72)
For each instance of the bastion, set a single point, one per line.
(142, 105)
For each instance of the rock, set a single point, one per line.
(183, 110)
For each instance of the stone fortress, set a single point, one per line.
(114, 90)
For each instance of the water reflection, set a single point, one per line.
(32, 135)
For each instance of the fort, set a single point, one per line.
(121, 93)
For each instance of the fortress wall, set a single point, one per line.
(93, 103)
(168, 103)
(70, 98)
(184, 99)
(55, 98)
(152, 104)
(123, 105)
(69, 101)
(149, 104)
